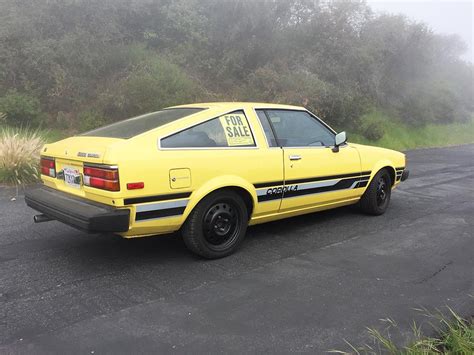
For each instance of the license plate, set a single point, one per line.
(72, 177)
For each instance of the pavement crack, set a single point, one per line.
(434, 274)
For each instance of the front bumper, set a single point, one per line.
(78, 212)
(405, 174)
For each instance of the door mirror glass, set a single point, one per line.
(340, 138)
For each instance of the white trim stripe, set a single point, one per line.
(162, 205)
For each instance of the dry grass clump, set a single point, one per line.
(19, 155)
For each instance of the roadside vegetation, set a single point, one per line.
(398, 135)
(67, 66)
(76, 64)
(19, 155)
(453, 336)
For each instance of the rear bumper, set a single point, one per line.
(77, 212)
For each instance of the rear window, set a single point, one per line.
(140, 124)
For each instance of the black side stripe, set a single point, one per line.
(131, 201)
(276, 196)
(341, 185)
(312, 179)
(177, 211)
(268, 184)
(330, 177)
(399, 174)
(362, 181)
(362, 184)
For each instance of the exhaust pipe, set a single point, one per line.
(40, 218)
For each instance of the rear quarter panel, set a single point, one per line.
(141, 160)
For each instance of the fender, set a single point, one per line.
(216, 184)
(379, 165)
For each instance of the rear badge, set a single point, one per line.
(88, 155)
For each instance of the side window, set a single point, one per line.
(267, 129)
(299, 129)
(230, 130)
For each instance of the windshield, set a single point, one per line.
(134, 126)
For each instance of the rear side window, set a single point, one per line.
(267, 129)
(140, 124)
(230, 130)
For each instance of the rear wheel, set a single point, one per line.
(376, 198)
(217, 225)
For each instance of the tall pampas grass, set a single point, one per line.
(19, 155)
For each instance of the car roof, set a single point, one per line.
(237, 105)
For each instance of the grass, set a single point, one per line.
(454, 335)
(399, 136)
(19, 155)
(52, 135)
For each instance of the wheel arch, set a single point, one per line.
(384, 165)
(234, 183)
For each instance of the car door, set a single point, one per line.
(314, 173)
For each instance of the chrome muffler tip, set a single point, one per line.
(40, 218)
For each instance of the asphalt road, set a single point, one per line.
(299, 285)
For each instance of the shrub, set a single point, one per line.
(372, 127)
(21, 109)
(19, 155)
(89, 120)
(149, 86)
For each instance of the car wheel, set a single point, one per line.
(216, 226)
(376, 198)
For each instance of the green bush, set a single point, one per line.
(21, 109)
(149, 86)
(372, 127)
(90, 119)
(417, 109)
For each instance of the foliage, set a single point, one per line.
(401, 136)
(372, 126)
(148, 86)
(454, 335)
(119, 58)
(20, 109)
(89, 120)
(19, 155)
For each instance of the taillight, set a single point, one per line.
(48, 166)
(105, 178)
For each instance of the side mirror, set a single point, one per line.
(340, 139)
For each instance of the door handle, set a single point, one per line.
(295, 157)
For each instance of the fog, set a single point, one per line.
(444, 17)
(79, 64)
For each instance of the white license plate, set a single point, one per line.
(72, 177)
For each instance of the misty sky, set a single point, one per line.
(443, 16)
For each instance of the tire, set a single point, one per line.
(217, 225)
(376, 198)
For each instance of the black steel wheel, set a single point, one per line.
(221, 224)
(376, 198)
(217, 225)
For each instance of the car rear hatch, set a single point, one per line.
(70, 157)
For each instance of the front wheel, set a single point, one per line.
(376, 198)
(217, 225)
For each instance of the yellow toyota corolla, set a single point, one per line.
(209, 170)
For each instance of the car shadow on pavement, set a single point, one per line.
(170, 248)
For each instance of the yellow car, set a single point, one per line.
(209, 170)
